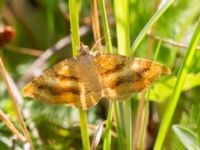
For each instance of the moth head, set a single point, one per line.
(28, 90)
(84, 49)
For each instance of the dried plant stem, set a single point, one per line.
(141, 125)
(95, 24)
(97, 136)
(93, 127)
(170, 41)
(10, 125)
(15, 97)
(139, 120)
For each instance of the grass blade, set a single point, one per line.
(123, 41)
(10, 125)
(105, 26)
(122, 24)
(74, 26)
(187, 137)
(151, 22)
(107, 137)
(75, 45)
(119, 127)
(169, 111)
(50, 20)
(84, 130)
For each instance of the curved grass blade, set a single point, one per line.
(151, 22)
(97, 136)
(169, 111)
(188, 138)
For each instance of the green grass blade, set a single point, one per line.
(50, 20)
(157, 51)
(144, 126)
(169, 111)
(119, 127)
(75, 45)
(151, 22)
(107, 137)
(122, 24)
(128, 124)
(74, 26)
(123, 41)
(105, 26)
(84, 130)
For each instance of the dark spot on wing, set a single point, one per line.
(117, 68)
(56, 90)
(70, 78)
(134, 77)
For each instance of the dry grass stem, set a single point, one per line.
(93, 127)
(16, 99)
(139, 120)
(10, 125)
(97, 136)
(95, 24)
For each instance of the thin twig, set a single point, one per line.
(170, 41)
(36, 68)
(16, 98)
(93, 127)
(27, 51)
(97, 136)
(10, 125)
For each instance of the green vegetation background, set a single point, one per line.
(40, 24)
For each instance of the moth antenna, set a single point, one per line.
(97, 42)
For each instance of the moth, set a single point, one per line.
(82, 81)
